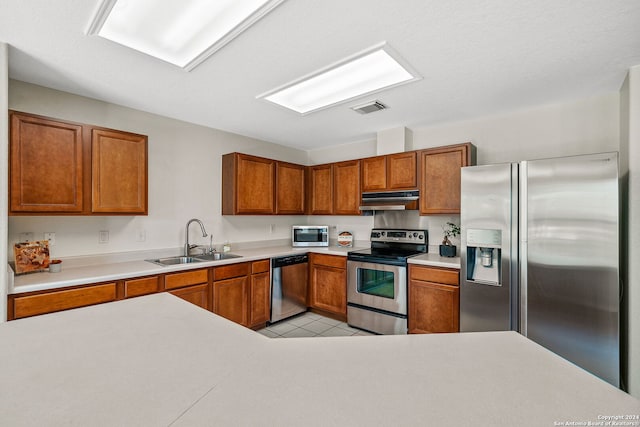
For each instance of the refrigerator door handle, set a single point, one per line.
(522, 232)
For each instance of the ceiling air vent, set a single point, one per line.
(369, 107)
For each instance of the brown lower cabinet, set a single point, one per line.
(434, 300)
(239, 292)
(192, 286)
(328, 284)
(260, 294)
(196, 294)
(32, 304)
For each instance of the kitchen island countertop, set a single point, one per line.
(157, 360)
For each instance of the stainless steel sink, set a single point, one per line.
(216, 256)
(175, 260)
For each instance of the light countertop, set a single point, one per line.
(108, 268)
(158, 361)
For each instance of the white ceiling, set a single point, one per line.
(476, 57)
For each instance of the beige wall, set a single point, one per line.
(630, 168)
(184, 180)
(580, 127)
(4, 154)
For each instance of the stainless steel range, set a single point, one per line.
(377, 280)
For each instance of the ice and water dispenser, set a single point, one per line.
(484, 254)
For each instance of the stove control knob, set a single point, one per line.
(382, 233)
(415, 234)
(421, 237)
(375, 234)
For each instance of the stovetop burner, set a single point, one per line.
(392, 246)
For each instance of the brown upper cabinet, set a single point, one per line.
(334, 188)
(440, 177)
(46, 165)
(119, 172)
(64, 168)
(248, 185)
(259, 186)
(390, 172)
(321, 190)
(346, 188)
(290, 189)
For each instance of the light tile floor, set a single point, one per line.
(310, 325)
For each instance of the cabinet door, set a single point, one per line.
(440, 178)
(198, 295)
(401, 171)
(119, 172)
(328, 290)
(46, 165)
(346, 188)
(230, 299)
(290, 191)
(321, 189)
(255, 185)
(374, 173)
(259, 300)
(433, 307)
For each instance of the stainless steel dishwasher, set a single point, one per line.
(289, 277)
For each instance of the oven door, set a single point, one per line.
(379, 286)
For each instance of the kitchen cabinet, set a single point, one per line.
(259, 294)
(136, 287)
(434, 300)
(230, 292)
(390, 172)
(36, 303)
(119, 172)
(248, 185)
(328, 284)
(321, 189)
(346, 188)
(46, 165)
(196, 294)
(440, 177)
(290, 189)
(65, 168)
(192, 286)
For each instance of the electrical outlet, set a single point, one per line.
(25, 237)
(103, 236)
(51, 237)
(141, 235)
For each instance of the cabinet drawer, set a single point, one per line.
(437, 275)
(144, 286)
(329, 260)
(261, 266)
(232, 270)
(178, 280)
(63, 300)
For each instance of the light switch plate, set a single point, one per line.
(103, 236)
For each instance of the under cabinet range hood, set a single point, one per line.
(389, 200)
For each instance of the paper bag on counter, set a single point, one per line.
(31, 256)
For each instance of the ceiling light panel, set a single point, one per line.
(365, 73)
(183, 33)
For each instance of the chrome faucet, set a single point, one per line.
(187, 246)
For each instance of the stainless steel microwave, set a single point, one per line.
(309, 235)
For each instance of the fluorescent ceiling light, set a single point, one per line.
(365, 73)
(184, 33)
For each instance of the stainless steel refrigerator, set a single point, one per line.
(540, 256)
